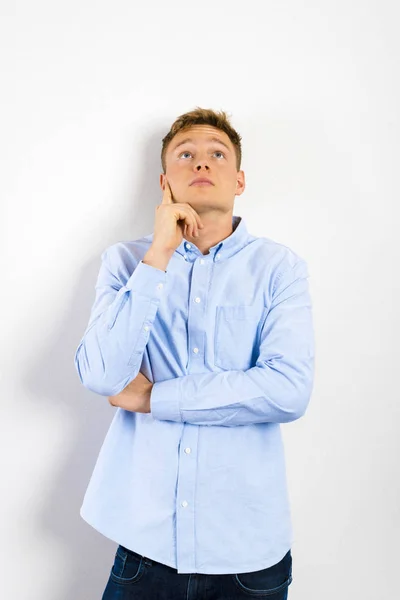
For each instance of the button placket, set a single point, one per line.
(196, 316)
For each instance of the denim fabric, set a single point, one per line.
(136, 577)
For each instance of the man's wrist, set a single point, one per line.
(157, 257)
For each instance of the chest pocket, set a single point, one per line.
(236, 336)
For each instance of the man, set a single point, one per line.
(201, 335)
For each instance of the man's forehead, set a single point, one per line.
(200, 132)
(202, 128)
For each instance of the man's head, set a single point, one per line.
(214, 151)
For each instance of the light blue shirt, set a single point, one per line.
(199, 483)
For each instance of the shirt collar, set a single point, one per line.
(222, 250)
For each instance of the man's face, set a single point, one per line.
(210, 154)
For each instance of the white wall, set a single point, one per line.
(88, 89)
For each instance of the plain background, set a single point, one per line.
(88, 89)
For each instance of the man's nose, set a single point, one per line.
(202, 163)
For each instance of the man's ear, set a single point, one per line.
(240, 183)
(162, 180)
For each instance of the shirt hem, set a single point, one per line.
(204, 570)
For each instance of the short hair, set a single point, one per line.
(203, 116)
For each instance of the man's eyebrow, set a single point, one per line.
(214, 139)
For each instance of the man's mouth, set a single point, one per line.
(201, 181)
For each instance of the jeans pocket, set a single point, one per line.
(271, 582)
(128, 566)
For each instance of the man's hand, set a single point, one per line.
(136, 396)
(172, 220)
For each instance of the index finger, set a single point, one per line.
(167, 194)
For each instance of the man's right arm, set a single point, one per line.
(110, 352)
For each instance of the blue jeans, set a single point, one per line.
(136, 577)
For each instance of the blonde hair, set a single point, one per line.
(203, 116)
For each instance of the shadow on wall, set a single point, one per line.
(52, 378)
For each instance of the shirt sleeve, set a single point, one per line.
(276, 390)
(110, 352)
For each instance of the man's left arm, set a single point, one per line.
(276, 390)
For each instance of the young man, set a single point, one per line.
(201, 334)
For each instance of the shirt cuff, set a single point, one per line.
(145, 279)
(165, 400)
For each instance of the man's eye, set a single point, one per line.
(216, 152)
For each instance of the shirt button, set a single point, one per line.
(197, 299)
(217, 257)
(188, 245)
(159, 286)
(184, 504)
(202, 261)
(187, 450)
(146, 327)
(195, 350)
